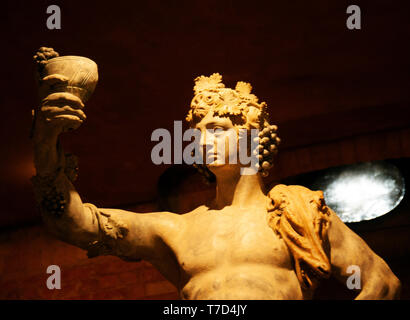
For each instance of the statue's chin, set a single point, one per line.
(216, 164)
(219, 167)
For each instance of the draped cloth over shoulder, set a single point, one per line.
(301, 218)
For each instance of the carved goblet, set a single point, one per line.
(72, 74)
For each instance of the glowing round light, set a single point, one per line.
(362, 191)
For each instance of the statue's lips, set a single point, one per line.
(212, 156)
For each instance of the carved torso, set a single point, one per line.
(232, 254)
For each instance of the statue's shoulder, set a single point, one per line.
(294, 189)
(300, 217)
(295, 195)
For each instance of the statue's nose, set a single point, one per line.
(206, 139)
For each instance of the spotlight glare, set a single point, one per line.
(362, 191)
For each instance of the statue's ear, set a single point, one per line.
(253, 117)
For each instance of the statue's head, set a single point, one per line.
(216, 107)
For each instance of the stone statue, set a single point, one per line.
(245, 244)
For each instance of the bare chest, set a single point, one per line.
(215, 239)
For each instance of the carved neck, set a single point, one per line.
(234, 189)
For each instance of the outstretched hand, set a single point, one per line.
(59, 112)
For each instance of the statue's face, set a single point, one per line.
(216, 133)
(232, 111)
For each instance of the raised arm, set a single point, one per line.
(126, 234)
(347, 249)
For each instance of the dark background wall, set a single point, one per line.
(338, 96)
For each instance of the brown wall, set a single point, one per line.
(25, 254)
(365, 147)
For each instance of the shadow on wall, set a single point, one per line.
(181, 189)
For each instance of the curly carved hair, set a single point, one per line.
(241, 107)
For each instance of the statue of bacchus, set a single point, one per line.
(244, 244)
